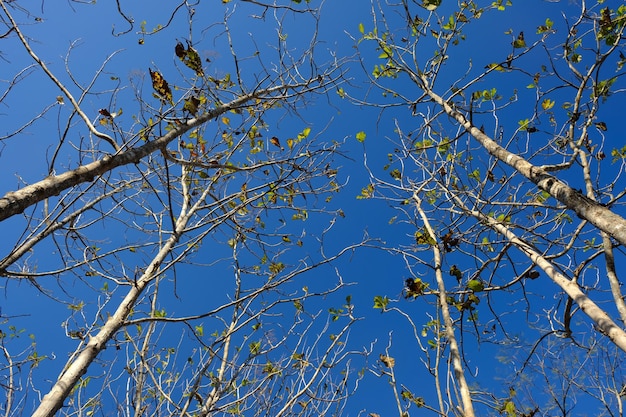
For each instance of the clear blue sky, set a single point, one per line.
(88, 28)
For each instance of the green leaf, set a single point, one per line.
(523, 124)
(509, 409)
(547, 104)
(503, 218)
(519, 42)
(546, 27)
(456, 272)
(335, 313)
(366, 192)
(450, 24)
(424, 238)
(487, 244)
(361, 28)
(276, 267)
(386, 53)
(77, 307)
(431, 4)
(381, 302)
(475, 285)
(254, 347)
(603, 88)
(304, 134)
(495, 66)
(360, 136)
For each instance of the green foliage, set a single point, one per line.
(386, 53)
(386, 70)
(524, 125)
(618, 154)
(431, 4)
(366, 192)
(422, 237)
(335, 313)
(381, 302)
(519, 42)
(159, 313)
(408, 396)
(444, 146)
(487, 244)
(76, 307)
(501, 4)
(304, 134)
(611, 24)
(415, 287)
(486, 95)
(546, 27)
(503, 218)
(271, 369)
(475, 285)
(254, 347)
(276, 267)
(563, 218)
(456, 272)
(509, 409)
(603, 88)
(495, 66)
(450, 25)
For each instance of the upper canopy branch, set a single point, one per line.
(592, 211)
(17, 201)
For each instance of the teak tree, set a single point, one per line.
(506, 167)
(166, 214)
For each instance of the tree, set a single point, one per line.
(163, 217)
(505, 175)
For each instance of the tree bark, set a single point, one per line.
(592, 211)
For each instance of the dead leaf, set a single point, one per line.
(161, 86)
(388, 361)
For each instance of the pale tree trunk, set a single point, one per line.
(602, 320)
(16, 202)
(74, 370)
(592, 211)
(455, 355)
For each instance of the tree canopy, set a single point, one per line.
(296, 208)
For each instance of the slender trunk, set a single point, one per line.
(457, 364)
(592, 211)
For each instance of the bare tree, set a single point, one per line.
(176, 218)
(502, 168)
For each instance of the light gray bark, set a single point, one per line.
(592, 211)
(16, 202)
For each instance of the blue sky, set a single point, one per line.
(87, 30)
